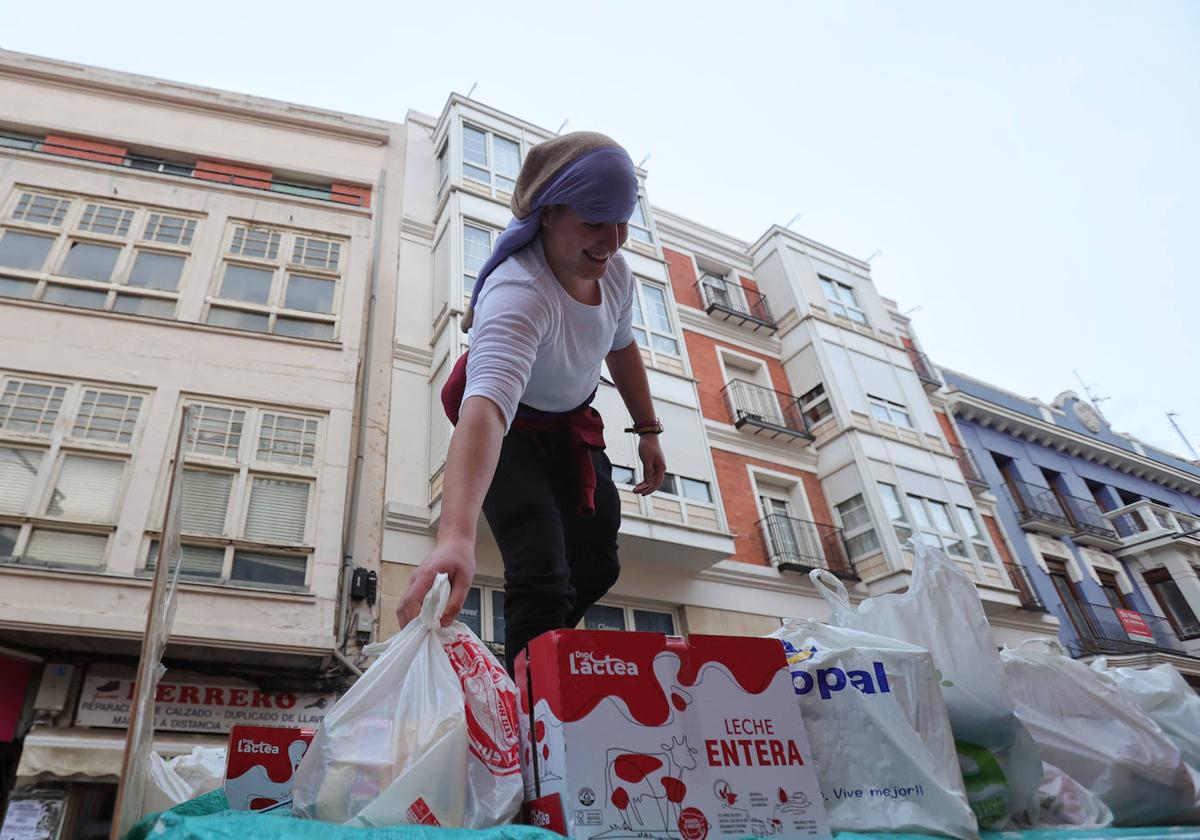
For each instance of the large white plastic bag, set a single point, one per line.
(942, 613)
(184, 777)
(880, 737)
(1067, 804)
(1084, 724)
(429, 734)
(1165, 696)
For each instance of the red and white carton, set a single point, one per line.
(261, 763)
(643, 735)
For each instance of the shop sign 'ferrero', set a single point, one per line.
(193, 703)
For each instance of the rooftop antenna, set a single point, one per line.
(643, 162)
(1091, 395)
(794, 219)
(877, 253)
(1171, 415)
(561, 127)
(472, 90)
(908, 312)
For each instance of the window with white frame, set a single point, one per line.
(782, 534)
(249, 490)
(968, 518)
(278, 281)
(935, 527)
(441, 172)
(94, 253)
(895, 511)
(639, 226)
(842, 300)
(483, 612)
(608, 616)
(64, 451)
(814, 403)
(624, 476)
(691, 489)
(857, 527)
(652, 327)
(886, 411)
(477, 247)
(490, 159)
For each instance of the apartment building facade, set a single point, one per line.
(1107, 528)
(164, 246)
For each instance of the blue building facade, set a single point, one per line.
(1105, 529)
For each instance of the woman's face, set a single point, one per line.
(579, 248)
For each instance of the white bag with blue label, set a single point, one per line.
(879, 733)
(941, 612)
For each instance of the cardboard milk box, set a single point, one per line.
(261, 763)
(643, 735)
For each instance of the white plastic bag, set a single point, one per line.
(878, 729)
(1067, 804)
(184, 777)
(1083, 723)
(942, 613)
(429, 734)
(1165, 696)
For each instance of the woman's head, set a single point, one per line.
(576, 247)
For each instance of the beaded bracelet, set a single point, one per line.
(654, 427)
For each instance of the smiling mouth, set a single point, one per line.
(595, 259)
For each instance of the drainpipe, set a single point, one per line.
(348, 527)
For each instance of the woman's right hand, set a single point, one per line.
(454, 557)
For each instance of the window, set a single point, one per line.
(624, 476)
(842, 300)
(935, 526)
(639, 227)
(483, 612)
(652, 320)
(1112, 593)
(90, 254)
(886, 411)
(970, 526)
(249, 486)
(857, 527)
(64, 451)
(692, 489)
(1174, 605)
(814, 403)
(1072, 604)
(280, 282)
(895, 512)
(617, 617)
(477, 247)
(441, 168)
(782, 539)
(490, 159)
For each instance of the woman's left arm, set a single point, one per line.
(629, 375)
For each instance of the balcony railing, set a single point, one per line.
(765, 411)
(1145, 520)
(797, 545)
(729, 300)
(1019, 576)
(968, 467)
(923, 367)
(1105, 633)
(182, 170)
(1038, 508)
(1091, 528)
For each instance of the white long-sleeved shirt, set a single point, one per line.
(533, 343)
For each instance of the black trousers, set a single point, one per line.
(557, 563)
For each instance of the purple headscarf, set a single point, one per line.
(600, 184)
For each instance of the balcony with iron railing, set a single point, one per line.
(732, 301)
(1091, 528)
(765, 411)
(968, 467)
(924, 368)
(1019, 577)
(1104, 632)
(1037, 509)
(1144, 523)
(797, 545)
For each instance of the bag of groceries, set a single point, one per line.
(878, 729)
(175, 780)
(1067, 804)
(941, 612)
(1166, 698)
(1084, 724)
(428, 735)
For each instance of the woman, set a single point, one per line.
(551, 304)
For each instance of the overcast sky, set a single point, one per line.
(1029, 170)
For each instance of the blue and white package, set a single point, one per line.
(878, 730)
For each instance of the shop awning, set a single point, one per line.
(93, 754)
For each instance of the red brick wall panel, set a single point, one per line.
(706, 367)
(947, 428)
(84, 149)
(997, 538)
(350, 194)
(682, 272)
(241, 176)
